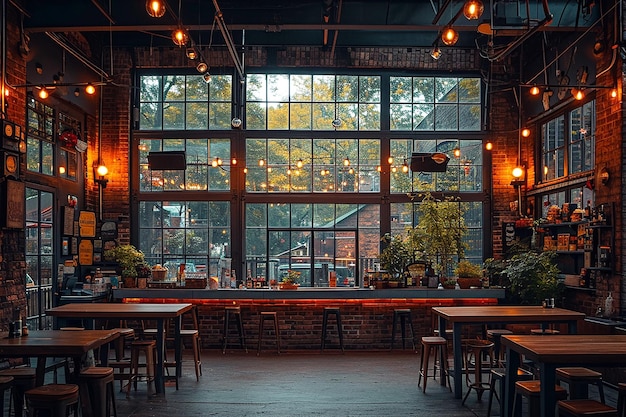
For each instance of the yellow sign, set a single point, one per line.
(85, 252)
(87, 223)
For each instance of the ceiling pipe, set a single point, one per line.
(78, 55)
(441, 10)
(104, 12)
(510, 47)
(230, 44)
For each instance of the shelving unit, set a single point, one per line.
(584, 249)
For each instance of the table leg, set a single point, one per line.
(547, 396)
(572, 327)
(159, 380)
(458, 359)
(40, 373)
(513, 362)
(178, 354)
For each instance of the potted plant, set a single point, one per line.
(449, 284)
(468, 274)
(128, 258)
(530, 277)
(290, 280)
(395, 256)
(438, 236)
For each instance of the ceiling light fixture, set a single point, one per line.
(534, 90)
(90, 89)
(191, 53)
(473, 9)
(207, 77)
(180, 37)
(155, 8)
(43, 92)
(436, 52)
(449, 36)
(202, 67)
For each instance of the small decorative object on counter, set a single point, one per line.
(608, 305)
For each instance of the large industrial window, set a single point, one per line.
(312, 102)
(40, 251)
(435, 103)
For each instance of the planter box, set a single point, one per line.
(465, 283)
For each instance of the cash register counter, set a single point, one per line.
(366, 314)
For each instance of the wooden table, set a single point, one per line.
(460, 316)
(137, 311)
(551, 352)
(43, 344)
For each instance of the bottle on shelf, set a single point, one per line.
(588, 210)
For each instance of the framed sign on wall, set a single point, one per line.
(14, 211)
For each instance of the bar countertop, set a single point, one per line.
(307, 293)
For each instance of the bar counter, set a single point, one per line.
(306, 293)
(366, 314)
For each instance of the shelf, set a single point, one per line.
(600, 268)
(571, 287)
(570, 252)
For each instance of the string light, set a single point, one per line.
(488, 146)
(525, 132)
(90, 89)
(180, 37)
(473, 9)
(534, 90)
(449, 36)
(155, 8)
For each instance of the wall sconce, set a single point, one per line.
(605, 176)
(519, 177)
(99, 175)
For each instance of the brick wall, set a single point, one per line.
(12, 241)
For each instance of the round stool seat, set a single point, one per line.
(97, 372)
(99, 384)
(433, 340)
(54, 398)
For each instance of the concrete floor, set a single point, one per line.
(301, 384)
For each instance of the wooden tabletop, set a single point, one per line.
(570, 349)
(119, 310)
(508, 314)
(47, 343)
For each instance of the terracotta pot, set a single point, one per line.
(469, 282)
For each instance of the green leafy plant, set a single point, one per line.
(467, 269)
(531, 277)
(291, 277)
(396, 255)
(438, 236)
(128, 257)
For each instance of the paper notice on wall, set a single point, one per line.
(87, 224)
(85, 252)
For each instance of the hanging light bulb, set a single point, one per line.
(534, 90)
(289, 170)
(233, 161)
(473, 9)
(488, 146)
(449, 36)
(207, 77)
(261, 162)
(90, 89)
(155, 8)
(180, 37)
(202, 67)
(346, 162)
(214, 163)
(43, 92)
(300, 163)
(613, 92)
(390, 160)
(457, 152)
(436, 52)
(191, 53)
(525, 132)
(578, 93)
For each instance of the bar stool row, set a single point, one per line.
(401, 317)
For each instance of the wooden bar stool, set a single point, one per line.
(337, 313)
(593, 408)
(99, 384)
(263, 317)
(148, 348)
(234, 312)
(578, 380)
(24, 378)
(126, 334)
(479, 349)
(439, 346)
(497, 375)
(532, 389)
(55, 400)
(404, 315)
(5, 383)
(494, 335)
